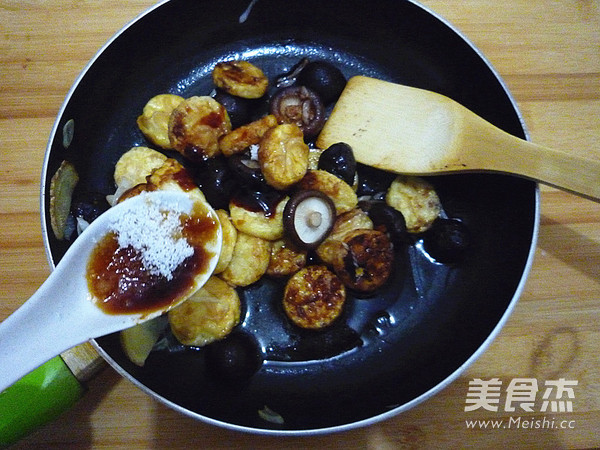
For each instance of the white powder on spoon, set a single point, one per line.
(155, 232)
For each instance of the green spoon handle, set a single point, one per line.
(36, 399)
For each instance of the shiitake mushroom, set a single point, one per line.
(308, 218)
(88, 205)
(235, 358)
(247, 171)
(239, 109)
(372, 181)
(324, 78)
(387, 217)
(447, 240)
(301, 106)
(289, 78)
(338, 159)
(217, 182)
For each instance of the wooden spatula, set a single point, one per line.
(413, 131)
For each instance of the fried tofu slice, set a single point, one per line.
(249, 261)
(341, 193)
(314, 297)
(196, 125)
(208, 315)
(135, 165)
(154, 120)
(229, 233)
(416, 199)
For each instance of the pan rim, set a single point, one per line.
(330, 429)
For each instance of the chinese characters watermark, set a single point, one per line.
(521, 393)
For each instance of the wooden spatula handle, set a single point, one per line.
(500, 151)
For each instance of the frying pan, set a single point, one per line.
(419, 332)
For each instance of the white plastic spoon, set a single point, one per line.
(63, 313)
(413, 131)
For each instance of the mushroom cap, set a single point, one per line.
(308, 217)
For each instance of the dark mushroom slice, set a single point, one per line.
(260, 201)
(301, 106)
(88, 205)
(235, 358)
(372, 181)
(324, 78)
(217, 181)
(238, 108)
(308, 218)
(247, 171)
(447, 240)
(389, 218)
(338, 159)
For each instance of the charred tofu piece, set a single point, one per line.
(365, 262)
(329, 250)
(314, 297)
(286, 259)
(243, 137)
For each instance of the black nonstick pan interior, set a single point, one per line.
(415, 335)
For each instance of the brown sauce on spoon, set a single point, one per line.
(122, 284)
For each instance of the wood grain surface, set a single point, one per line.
(547, 51)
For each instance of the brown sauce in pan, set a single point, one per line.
(259, 202)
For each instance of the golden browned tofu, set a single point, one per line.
(171, 175)
(258, 223)
(314, 297)
(243, 137)
(249, 261)
(416, 199)
(135, 165)
(154, 120)
(283, 156)
(208, 315)
(195, 127)
(313, 157)
(240, 78)
(229, 239)
(341, 193)
(134, 191)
